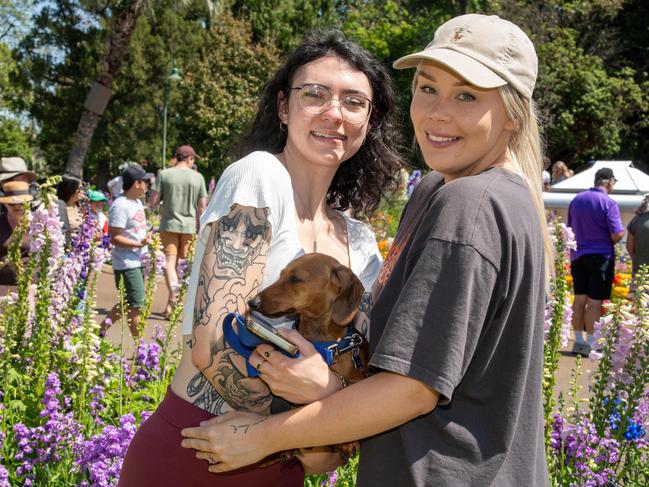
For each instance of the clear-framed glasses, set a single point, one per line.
(316, 99)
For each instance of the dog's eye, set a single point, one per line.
(294, 279)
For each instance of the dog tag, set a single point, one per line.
(356, 358)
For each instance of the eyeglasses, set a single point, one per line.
(316, 99)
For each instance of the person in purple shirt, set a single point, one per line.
(595, 219)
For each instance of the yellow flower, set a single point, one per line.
(620, 292)
(384, 247)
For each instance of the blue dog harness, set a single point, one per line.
(245, 343)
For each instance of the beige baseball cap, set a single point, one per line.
(485, 50)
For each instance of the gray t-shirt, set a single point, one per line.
(639, 228)
(459, 306)
(127, 214)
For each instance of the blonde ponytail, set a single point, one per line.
(525, 146)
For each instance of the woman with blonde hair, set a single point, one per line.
(637, 240)
(560, 172)
(456, 331)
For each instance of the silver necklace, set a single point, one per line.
(282, 158)
(314, 230)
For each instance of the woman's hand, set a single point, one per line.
(230, 441)
(299, 380)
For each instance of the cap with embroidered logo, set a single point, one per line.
(485, 50)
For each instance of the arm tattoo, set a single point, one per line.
(362, 320)
(239, 389)
(231, 272)
(205, 396)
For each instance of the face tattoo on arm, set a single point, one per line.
(231, 272)
(362, 320)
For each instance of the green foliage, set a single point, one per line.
(587, 110)
(283, 22)
(592, 83)
(391, 29)
(593, 89)
(14, 141)
(221, 90)
(57, 62)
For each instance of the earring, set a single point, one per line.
(282, 126)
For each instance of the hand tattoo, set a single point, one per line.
(243, 428)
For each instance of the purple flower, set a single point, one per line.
(146, 365)
(101, 456)
(4, 477)
(331, 480)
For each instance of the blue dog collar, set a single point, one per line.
(245, 342)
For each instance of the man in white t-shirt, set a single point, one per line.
(127, 227)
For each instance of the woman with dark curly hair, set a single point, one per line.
(323, 142)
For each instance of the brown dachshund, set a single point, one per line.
(325, 295)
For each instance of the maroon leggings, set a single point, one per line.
(155, 457)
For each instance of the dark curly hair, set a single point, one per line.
(364, 178)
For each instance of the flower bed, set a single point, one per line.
(71, 402)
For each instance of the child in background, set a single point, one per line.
(97, 200)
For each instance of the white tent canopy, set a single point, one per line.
(628, 191)
(629, 179)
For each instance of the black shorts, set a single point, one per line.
(592, 275)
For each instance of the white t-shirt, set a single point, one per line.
(115, 186)
(127, 214)
(260, 180)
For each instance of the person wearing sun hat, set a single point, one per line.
(456, 328)
(16, 193)
(15, 169)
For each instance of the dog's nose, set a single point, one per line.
(255, 302)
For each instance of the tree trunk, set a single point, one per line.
(103, 173)
(123, 25)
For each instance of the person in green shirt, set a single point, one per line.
(182, 196)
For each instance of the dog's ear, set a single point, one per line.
(349, 297)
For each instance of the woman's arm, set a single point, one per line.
(371, 406)
(231, 272)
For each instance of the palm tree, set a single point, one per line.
(122, 28)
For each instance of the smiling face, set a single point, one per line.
(324, 139)
(15, 210)
(461, 129)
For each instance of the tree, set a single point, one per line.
(220, 92)
(284, 22)
(13, 140)
(60, 58)
(586, 110)
(123, 24)
(591, 87)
